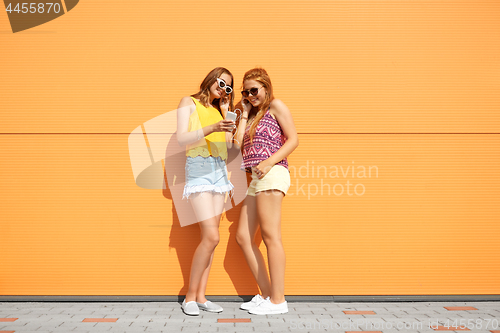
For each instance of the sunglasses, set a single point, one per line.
(224, 86)
(252, 91)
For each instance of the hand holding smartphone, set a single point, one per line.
(231, 116)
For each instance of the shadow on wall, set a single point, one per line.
(158, 162)
(186, 238)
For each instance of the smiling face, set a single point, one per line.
(258, 99)
(218, 92)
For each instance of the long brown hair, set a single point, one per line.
(204, 94)
(259, 75)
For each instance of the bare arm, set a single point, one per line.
(229, 140)
(240, 132)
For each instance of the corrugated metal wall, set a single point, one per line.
(406, 90)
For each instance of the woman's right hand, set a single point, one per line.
(246, 107)
(225, 125)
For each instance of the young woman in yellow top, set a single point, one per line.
(202, 128)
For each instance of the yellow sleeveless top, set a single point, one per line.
(213, 144)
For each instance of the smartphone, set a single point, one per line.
(231, 116)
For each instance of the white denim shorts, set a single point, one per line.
(278, 178)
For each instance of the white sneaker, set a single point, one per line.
(256, 300)
(266, 307)
(209, 306)
(190, 308)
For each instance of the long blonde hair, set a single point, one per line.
(259, 75)
(203, 95)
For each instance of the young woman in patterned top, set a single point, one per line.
(268, 134)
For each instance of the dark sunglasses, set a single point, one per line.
(224, 86)
(252, 91)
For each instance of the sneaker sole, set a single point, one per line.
(204, 308)
(269, 313)
(213, 311)
(248, 309)
(190, 314)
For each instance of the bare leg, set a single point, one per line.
(204, 203)
(218, 202)
(245, 236)
(269, 213)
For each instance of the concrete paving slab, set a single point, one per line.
(302, 317)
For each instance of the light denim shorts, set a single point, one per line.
(206, 174)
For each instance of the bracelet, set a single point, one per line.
(246, 118)
(198, 135)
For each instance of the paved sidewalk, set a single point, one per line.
(23, 317)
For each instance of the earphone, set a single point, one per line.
(236, 119)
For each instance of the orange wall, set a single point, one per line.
(408, 87)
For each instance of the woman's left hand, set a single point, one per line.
(262, 168)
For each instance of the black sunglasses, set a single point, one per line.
(224, 86)
(252, 91)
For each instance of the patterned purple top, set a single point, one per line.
(267, 140)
